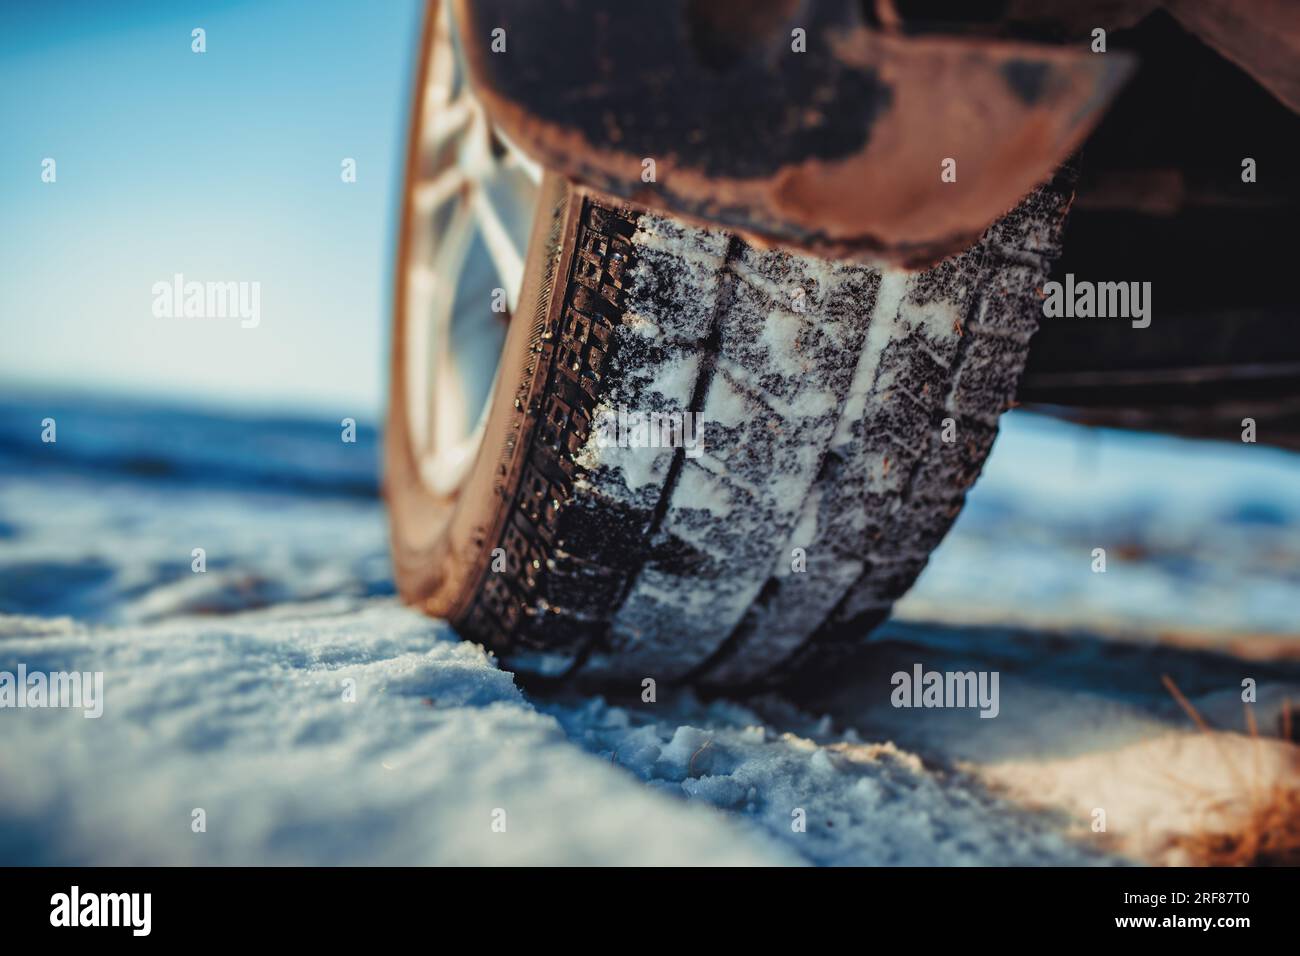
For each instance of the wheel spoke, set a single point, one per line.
(506, 257)
(420, 285)
(450, 256)
(431, 194)
(442, 65)
(447, 121)
(440, 414)
(516, 158)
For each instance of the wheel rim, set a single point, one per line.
(471, 208)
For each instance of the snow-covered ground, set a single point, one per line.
(287, 695)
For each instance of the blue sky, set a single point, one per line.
(221, 166)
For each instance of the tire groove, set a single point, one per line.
(711, 348)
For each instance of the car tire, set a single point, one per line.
(844, 412)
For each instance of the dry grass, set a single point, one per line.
(1269, 833)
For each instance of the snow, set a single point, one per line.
(230, 691)
(247, 720)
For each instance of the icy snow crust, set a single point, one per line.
(227, 691)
